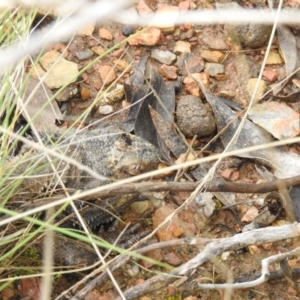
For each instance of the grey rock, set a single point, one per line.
(194, 118)
(189, 63)
(127, 30)
(252, 35)
(68, 93)
(163, 56)
(85, 54)
(214, 69)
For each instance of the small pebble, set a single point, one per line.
(164, 57)
(127, 30)
(106, 109)
(214, 69)
(85, 54)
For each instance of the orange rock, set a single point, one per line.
(177, 232)
(85, 94)
(191, 85)
(169, 72)
(105, 34)
(107, 74)
(122, 65)
(212, 56)
(149, 37)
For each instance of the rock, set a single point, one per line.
(106, 109)
(122, 65)
(187, 35)
(127, 30)
(270, 75)
(226, 94)
(227, 173)
(213, 42)
(98, 50)
(188, 62)
(105, 34)
(214, 69)
(68, 93)
(85, 54)
(212, 56)
(140, 207)
(39, 96)
(85, 94)
(181, 47)
(184, 5)
(172, 259)
(250, 215)
(59, 71)
(251, 35)
(192, 87)
(169, 72)
(143, 8)
(278, 119)
(274, 58)
(194, 118)
(166, 232)
(261, 88)
(149, 37)
(163, 56)
(107, 74)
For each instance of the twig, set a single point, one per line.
(218, 185)
(122, 259)
(255, 237)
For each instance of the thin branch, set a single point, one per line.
(217, 247)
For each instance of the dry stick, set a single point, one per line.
(217, 185)
(122, 259)
(217, 247)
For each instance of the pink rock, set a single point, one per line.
(184, 5)
(149, 37)
(270, 75)
(227, 173)
(143, 8)
(250, 215)
(172, 259)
